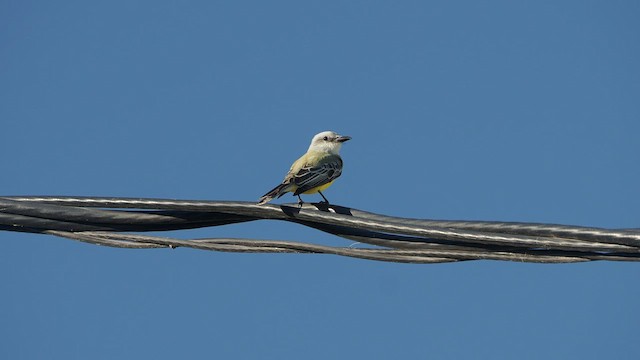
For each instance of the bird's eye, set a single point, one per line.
(326, 138)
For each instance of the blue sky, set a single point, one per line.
(476, 110)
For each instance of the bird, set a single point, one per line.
(314, 171)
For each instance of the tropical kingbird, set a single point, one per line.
(314, 171)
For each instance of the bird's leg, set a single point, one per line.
(325, 199)
(300, 202)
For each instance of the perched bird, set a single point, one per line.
(314, 171)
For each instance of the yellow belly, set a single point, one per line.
(319, 188)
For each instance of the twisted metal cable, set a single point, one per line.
(99, 219)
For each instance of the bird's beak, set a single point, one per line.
(342, 139)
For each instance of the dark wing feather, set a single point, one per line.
(310, 177)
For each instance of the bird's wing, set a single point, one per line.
(325, 171)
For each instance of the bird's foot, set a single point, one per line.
(326, 202)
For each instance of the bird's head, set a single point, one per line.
(328, 141)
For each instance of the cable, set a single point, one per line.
(401, 239)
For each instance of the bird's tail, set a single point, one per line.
(276, 192)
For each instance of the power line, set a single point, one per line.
(102, 220)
